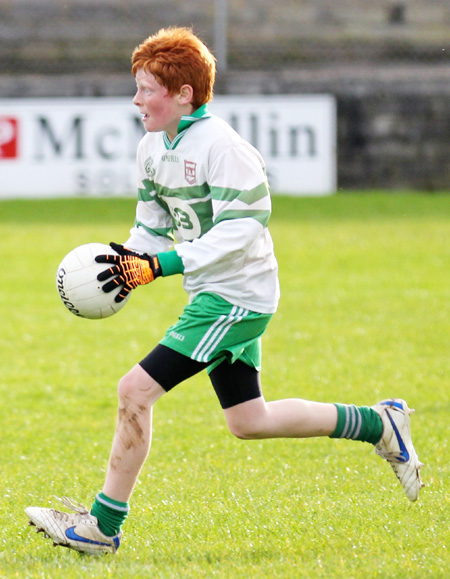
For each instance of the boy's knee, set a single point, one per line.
(137, 386)
(244, 430)
(127, 386)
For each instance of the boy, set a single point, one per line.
(200, 181)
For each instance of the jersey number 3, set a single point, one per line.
(185, 219)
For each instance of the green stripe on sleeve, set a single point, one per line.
(260, 216)
(249, 196)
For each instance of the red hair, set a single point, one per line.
(175, 56)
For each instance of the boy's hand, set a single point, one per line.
(128, 269)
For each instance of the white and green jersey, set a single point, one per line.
(207, 190)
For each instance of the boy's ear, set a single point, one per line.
(186, 94)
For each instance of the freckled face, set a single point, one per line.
(160, 111)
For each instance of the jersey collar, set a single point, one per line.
(185, 122)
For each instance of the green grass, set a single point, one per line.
(364, 315)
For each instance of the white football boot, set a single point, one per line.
(396, 445)
(78, 530)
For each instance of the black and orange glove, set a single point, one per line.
(128, 269)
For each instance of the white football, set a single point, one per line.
(78, 287)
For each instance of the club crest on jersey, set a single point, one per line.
(150, 169)
(190, 172)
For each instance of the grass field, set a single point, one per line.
(364, 315)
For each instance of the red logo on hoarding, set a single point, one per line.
(190, 172)
(8, 138)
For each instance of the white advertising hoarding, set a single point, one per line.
(87, 146)
(296, 135)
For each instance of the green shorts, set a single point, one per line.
(210, 330)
